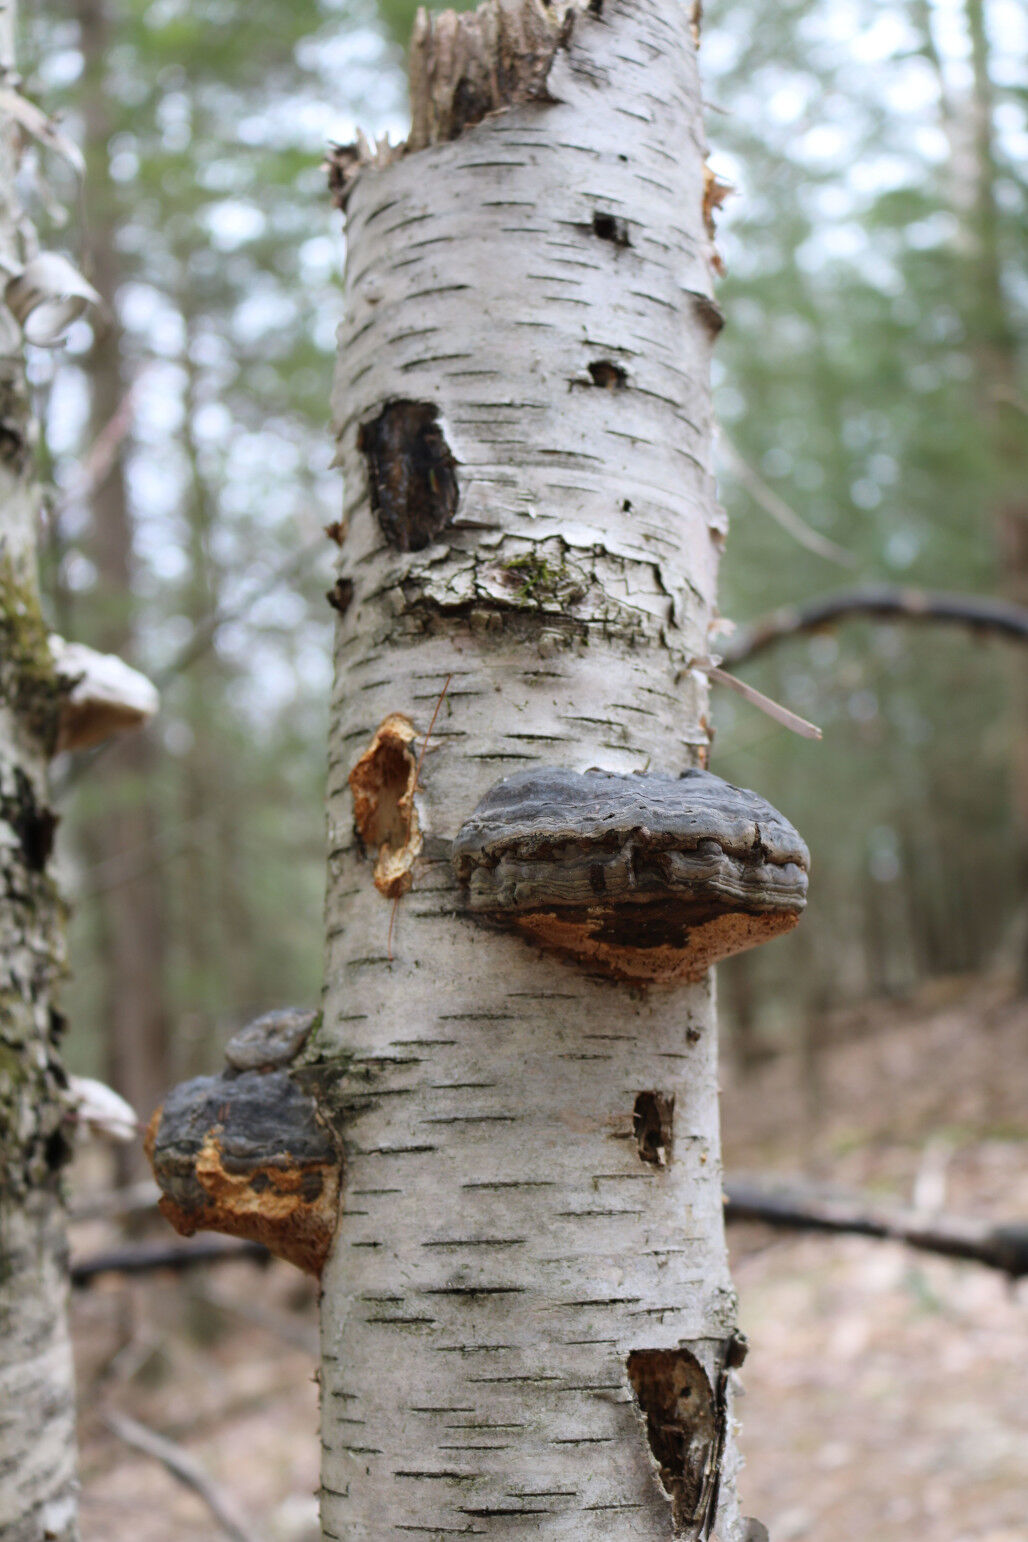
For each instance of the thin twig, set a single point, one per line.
(767, 499)
(186, 1469)
(773, 709)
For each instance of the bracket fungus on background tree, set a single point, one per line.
(648, 878)
(245, 1152)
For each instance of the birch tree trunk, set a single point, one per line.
(37, 1435)
(527, 1311)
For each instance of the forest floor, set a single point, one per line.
(886, 1395)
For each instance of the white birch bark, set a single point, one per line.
(37, 1430)
(543, 281)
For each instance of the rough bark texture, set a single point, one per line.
(37, 1451)
(527, 1316)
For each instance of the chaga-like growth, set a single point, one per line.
(271, 1041)
(245, 1153)
(644, 877)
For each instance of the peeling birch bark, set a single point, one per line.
(527, 1313)
(37, 1428)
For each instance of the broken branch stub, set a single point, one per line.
(647, 878)
(467, 64)
(383, 783)
(246, 1153)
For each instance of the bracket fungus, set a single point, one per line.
(100, 695)
(245, 1152)
(644, 877)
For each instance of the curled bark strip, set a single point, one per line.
(246, 1154)
(885, 602)
(383, 783)
(644, 877)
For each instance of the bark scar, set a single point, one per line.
(684, 1420)
(383, 783)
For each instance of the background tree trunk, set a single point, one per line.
(37, 1429)
(124, 836)
(535, 293)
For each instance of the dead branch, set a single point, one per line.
(977, 613)
(797, 1208)
(793, 1207)
(185, 1468)
(146, 1257)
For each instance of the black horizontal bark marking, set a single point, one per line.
(477, 1242)
(402, 1322)
(447, 1119)
(472, 1349)
(512, 1183)
(584, 1440)
(396, 1150)
(474, 1290)
(503, 1510)
(446, 1472)
(598, 1301)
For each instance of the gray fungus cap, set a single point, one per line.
(644, 877)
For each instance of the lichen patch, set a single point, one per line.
(383, 783)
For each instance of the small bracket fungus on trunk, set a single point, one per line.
(100, 695)
(246, 1153)
(647, 878)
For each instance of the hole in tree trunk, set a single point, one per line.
(676, 1399)
(411, 474)
(611, 377)
(610, 228)
(653, 1122)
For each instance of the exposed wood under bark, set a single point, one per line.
(883, 602)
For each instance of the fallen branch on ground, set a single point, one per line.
(887, 602)
(186, 1469)
(146, 1257)
(801, 1209)
(792, 1207)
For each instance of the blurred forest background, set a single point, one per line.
(874, 427)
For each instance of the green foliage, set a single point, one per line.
(852, 376)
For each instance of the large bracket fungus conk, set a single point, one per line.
(246, 1153)
(644, 877)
